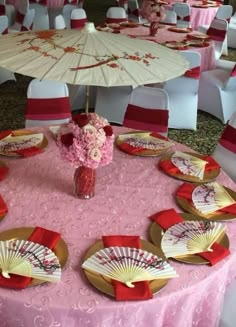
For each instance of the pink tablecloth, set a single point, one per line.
(163, 35)
(39, 192)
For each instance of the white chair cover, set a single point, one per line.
(66, 13)
(38, 91)
(228, 314)
(111, 102)
(148, 110)
(183, 94)
(78, 18)
(170, 18)
(41, 19)
(3, 24)
(27, 22)
(59, 23)
(182, 11)
(217, 93)
(225, 151)
(116, 14)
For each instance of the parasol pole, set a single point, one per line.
(87, 100)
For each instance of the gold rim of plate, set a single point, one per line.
(180, 29)
(21, 132)
(176, 45)
(23, 233)
(143, 153)
(104, 284)
(215, 216)
(208, 175)
(156, 233)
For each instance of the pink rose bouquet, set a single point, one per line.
(152, 10)
(87, 141)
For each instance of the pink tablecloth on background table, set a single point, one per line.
(163, 35)
(39, 192)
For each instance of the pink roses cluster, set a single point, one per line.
(87, 141)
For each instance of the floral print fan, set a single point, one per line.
(191, 237)
(211, 197)
(12, 143)
(29, 259)
(189, 165)
(129, 265)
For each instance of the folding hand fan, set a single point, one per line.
(129, 265)
(211, 197)
(145, 141)
(190, 237)
(13, 143)
(29, 259)
(189, 165)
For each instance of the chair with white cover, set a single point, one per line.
(22, 10)
(116, 15)
(111, 102)
(225, 150)
(148, 109)
(170, 18)
(5, 74)
(217, 31)
(231, 34)
(183, 94)
(67, 9)
(26, 25)
(217, 93)
(228, 313)
(133, 11)
(59, 23)
(41, 19)
(183, 11)
(78, 18)
(78, 96)
(47, 103)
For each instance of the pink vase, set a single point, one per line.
(84, 181)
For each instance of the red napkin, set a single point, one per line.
(185, 191)
(4, 134)
(3, 207)
(3, 172)
(28, 152)
(170, 217)
(168, 166)
(141, 291)
(41, 236)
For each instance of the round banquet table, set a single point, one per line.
(164, 35)
(39, 192)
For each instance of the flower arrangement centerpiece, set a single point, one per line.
(87, 143)
(153, 11)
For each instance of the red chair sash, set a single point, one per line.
(193, 72)
(154, 120)
(115, 20)
(40, 2)
(228, 138)
(19, 17)
(46, 109)
(78, 23)
(215, 34)
(2, 10)
(233, 72)
(5, 31)
(185, 18)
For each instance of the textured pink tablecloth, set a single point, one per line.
(163, 35)
(39, 192)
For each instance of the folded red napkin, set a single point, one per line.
(168, 166)
(4, 134)
(170, 217)
(3, 172)
(28, 152)
(185, 191)
(41, 236)
(141, 291)
(3, 207)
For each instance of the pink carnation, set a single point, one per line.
(87, 141)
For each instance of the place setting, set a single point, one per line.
(22, 143)
(127, 267)
(141, 143)
(32, 256)
(188, 238)
(189, 166)
(180, 29)
(210, 200)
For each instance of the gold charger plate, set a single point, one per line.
(208, 175)
(23, 233)
(199, 36)
(177, 45)
(104, 284)
(21, 132)
(144, 152)
(156, 233)
(221, 216)
(180, 29)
